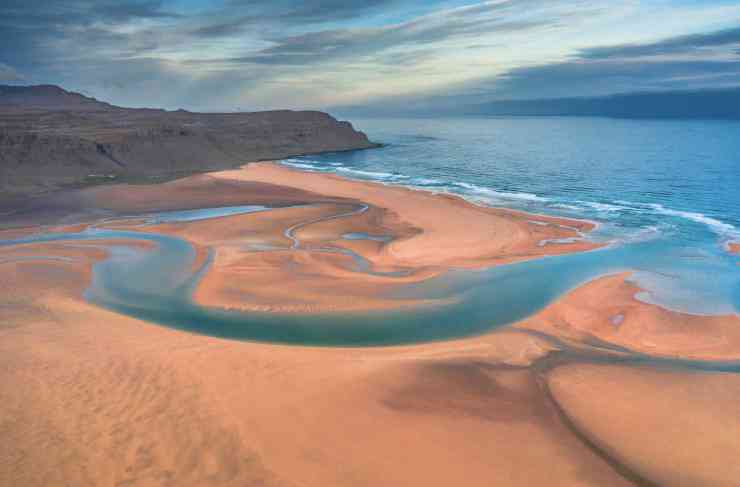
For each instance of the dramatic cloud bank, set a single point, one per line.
(255, 54)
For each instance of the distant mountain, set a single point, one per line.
(709, 104)
(50, 137)
(714, 104)
(48, 97)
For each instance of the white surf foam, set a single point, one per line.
(372, 174)
(491, 197)
(719, 227)
(604, 207)
(565, 206)
(299, 165)
(500, 194)
(428, 181)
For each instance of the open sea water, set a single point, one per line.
(667, 192)
(666, 195)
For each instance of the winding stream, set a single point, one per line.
(156, 285)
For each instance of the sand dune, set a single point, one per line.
(674, 427)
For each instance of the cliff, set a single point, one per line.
(50, 138)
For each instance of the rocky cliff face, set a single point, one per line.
(50, 138)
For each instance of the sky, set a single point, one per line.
(229, 55)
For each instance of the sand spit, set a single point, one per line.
(91, 397)
(607, 311)
(453, 232)
(427, 234)
(423, 235)
(114, 201)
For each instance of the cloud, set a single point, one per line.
(688, 44)
(123, 11)
(9, 75)
(331, 45)
(34, 34)
(240, 15)
(579, 78)
(53, 15)
(677, 63)
(314, 53)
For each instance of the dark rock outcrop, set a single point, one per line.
(50, 138)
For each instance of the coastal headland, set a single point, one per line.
(51, 138)
(596, 388)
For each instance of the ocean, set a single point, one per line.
(665, 192)
(665, 195)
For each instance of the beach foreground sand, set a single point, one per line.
(91, 397)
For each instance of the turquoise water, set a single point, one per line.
(665, 194)
(675, 184)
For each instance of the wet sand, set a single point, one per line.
(425, 235)
(91, 397)
(607, 311)
(430, 234)
(452, 231)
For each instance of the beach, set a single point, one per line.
(427, 234)
(606, 311)
(91, 396)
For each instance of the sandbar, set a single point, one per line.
(606, 310)
(92, 397)
(427, 234)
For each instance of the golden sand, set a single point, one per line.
(606, 310)
(674, 427)
(91, 397)
(431, 234)
(452, 231)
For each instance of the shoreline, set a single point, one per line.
(491, 389)
(316, 193)
(423, 229)
(311, 271)
(390, 197)
(144, 403)
(430, 190)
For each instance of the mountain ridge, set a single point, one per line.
(51, 138)
(714, 104)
